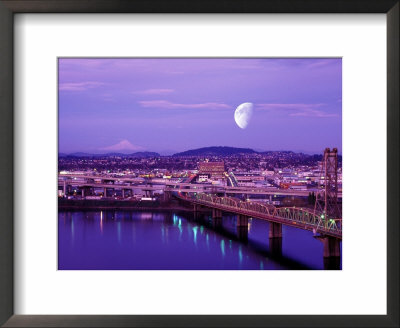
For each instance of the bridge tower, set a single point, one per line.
(326, 202)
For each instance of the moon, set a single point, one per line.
(243, 114)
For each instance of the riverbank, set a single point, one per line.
(113, 204)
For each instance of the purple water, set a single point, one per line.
(129, 240)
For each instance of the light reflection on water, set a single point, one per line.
(195, 234)
(223, 247)
(147, 241)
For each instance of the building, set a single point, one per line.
(213, 169)
(203, 177)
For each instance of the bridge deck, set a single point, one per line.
(190, 188)
(315, 227)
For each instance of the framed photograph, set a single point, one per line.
(203, 164)
(214, 198)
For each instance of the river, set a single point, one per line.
(153, 240)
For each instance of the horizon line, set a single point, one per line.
(177, 152)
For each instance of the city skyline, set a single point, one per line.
(173, 105)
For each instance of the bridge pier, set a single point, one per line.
(216, 213)
(167, 196)
(331, 252)
(105, 192)
(331, 246)
(85, 191)
(216, 218)
(242, 233)
(332, 263)
(123, 193)
(275, 230)
(275, 238)
(242, 221)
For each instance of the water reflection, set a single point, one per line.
(195, 234)
(275, 246)
(242, 233)
(101, 222)
(124, 240)
(223, 247)
(119, 231)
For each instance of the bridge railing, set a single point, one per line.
(316, 221)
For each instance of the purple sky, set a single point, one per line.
(171, 105)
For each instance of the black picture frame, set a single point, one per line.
(10, 7)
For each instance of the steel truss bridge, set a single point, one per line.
(300, 218)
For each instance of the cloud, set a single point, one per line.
(287, 106)
(107, 97)
(309, 63)
(313, 113)
(309, 110)
(324, 62)
(79, 86)
(169, 105)
(159, 92)
(123, 145)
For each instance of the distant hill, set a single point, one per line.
(271, 152)
(216, 151)
(205, 151)
(145, 154)
(137, 154)
(78, 154)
